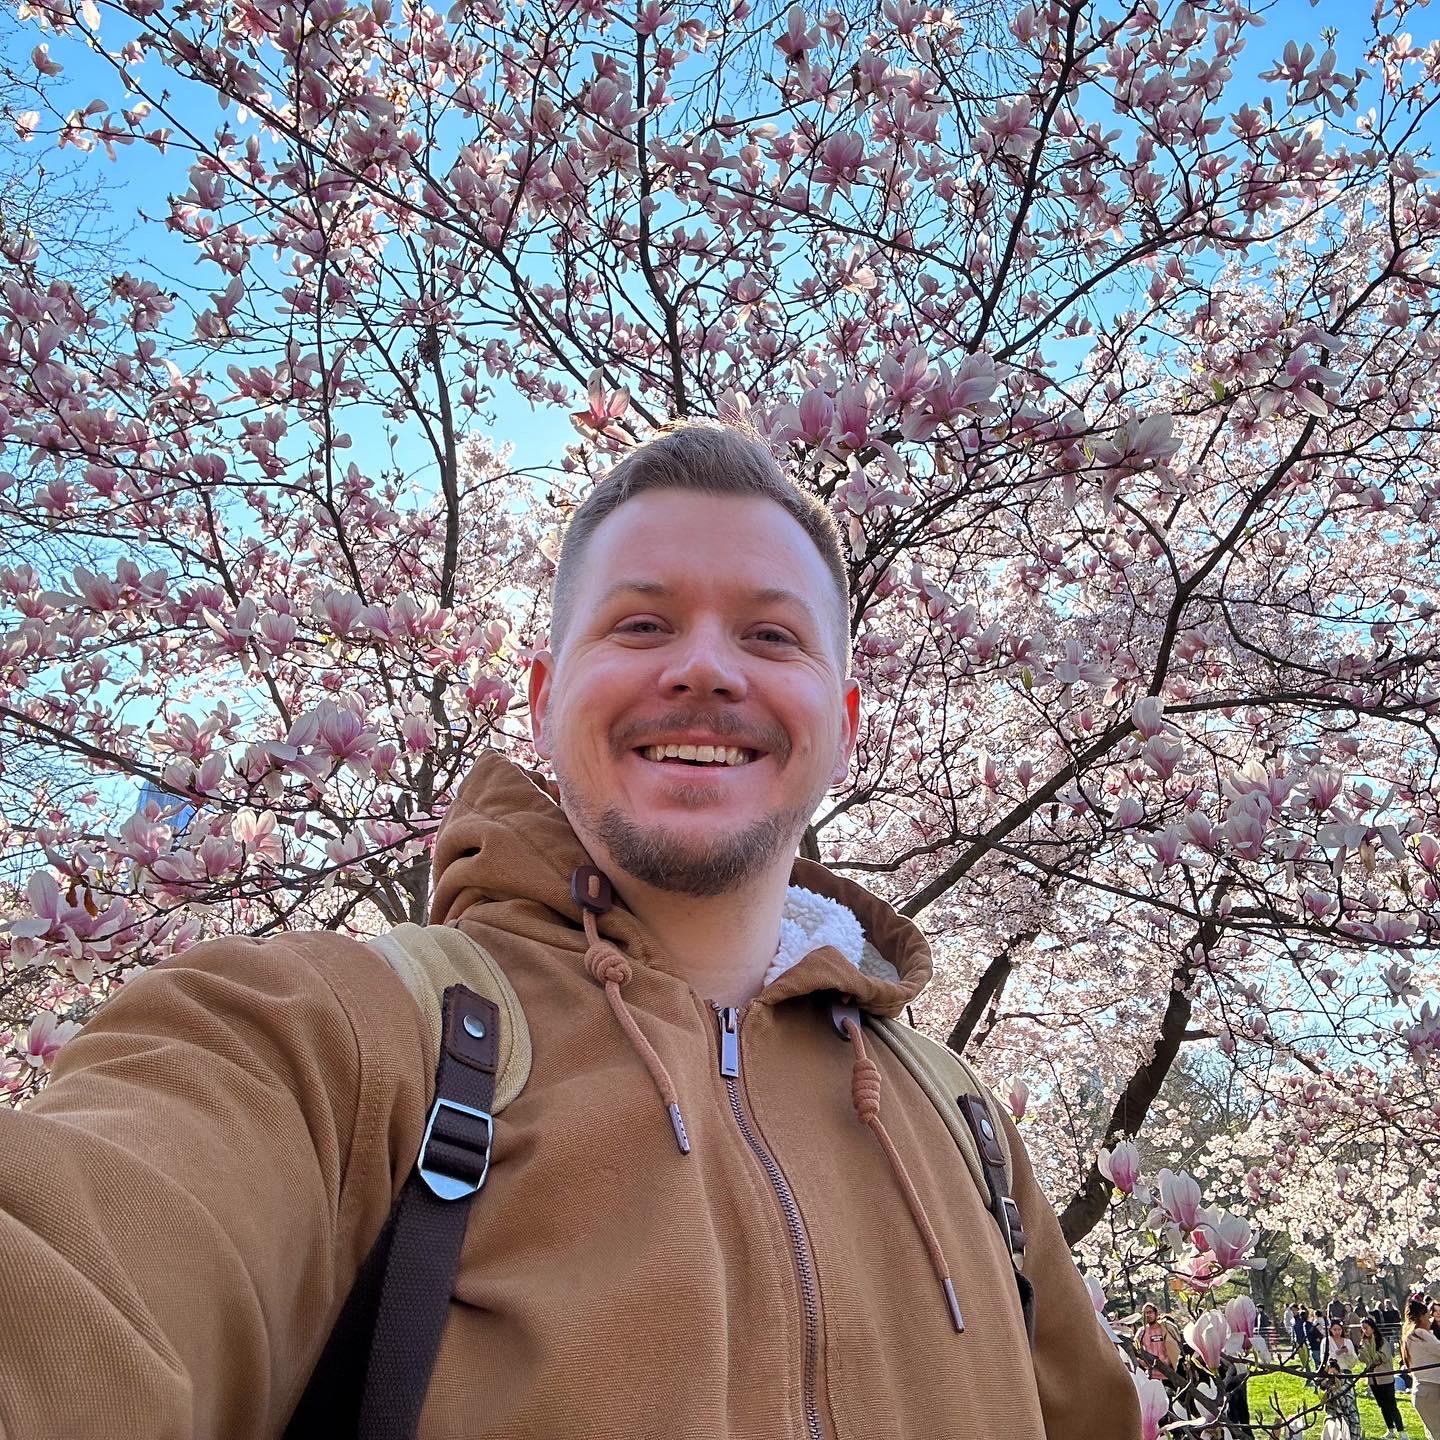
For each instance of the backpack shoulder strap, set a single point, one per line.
(965, 1104)
(373, 1375)
(429, 959)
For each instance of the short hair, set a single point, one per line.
(707, 457)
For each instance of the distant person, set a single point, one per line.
(1339, 1347)
(1390, 1315)
(1313, 1337)
(1336, 1379)
(1420, 1354)
(1378, 1362)
(1156, 1341)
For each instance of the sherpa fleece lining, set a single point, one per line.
(810, 921)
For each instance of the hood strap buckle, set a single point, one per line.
(844, 1008)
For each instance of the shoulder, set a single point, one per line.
(311, 970)
(316, 1005)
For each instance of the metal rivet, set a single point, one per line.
(986, 1128)
(474, 1026)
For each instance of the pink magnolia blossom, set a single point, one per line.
(1179, 1198)
(1208, 1336)
(44, 1038)
(1147, 715)
(258, 834)
(1121, 1166)
(1154, 1405)
(1241, 1315)
(1229, 1237)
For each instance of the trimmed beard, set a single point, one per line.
(663, 860)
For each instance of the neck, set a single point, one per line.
(721, 944)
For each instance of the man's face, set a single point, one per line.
(697, 620)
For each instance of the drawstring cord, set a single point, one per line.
(865, 1096)
(612, 970)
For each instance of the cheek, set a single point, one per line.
(584, 716)
(815, 729)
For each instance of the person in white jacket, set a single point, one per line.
(1338, 1362)
(1340, 1348)
(1420, 1354)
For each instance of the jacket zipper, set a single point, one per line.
(729, 1018)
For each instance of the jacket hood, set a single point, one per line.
(505, 854)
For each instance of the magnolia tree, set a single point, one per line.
(1113, 357)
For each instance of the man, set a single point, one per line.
(687, 1229)
(1390, 1315)
(1157, 1341)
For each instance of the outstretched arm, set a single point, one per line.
(184, 1206)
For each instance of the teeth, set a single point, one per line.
(705, 754)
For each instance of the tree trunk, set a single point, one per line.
(989, 987)
(1087, 1205)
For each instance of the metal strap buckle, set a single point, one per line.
(1014, 1227)
(456, 1187)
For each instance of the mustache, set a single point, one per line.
(721, 723)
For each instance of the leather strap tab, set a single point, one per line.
(977, 1114)
(472, 1030)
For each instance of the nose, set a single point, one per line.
(702, 663)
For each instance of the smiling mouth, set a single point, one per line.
(717, 757)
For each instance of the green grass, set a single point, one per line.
(1292, 1395)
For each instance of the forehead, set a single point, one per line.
(688, 541)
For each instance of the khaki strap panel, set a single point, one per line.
(431, 958)
(943, 1075)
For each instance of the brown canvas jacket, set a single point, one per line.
(184, 1208)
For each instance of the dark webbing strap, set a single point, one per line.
(1002, 1203)
(373, 1376)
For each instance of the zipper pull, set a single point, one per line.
(729, 1018)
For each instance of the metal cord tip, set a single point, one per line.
(954, 1304)
(677, 1121)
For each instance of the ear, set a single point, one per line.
(538, 685)
(851, 732)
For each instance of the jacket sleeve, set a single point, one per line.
(1086, 1392)
(183, 1208)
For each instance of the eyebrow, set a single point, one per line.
(770, 595)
